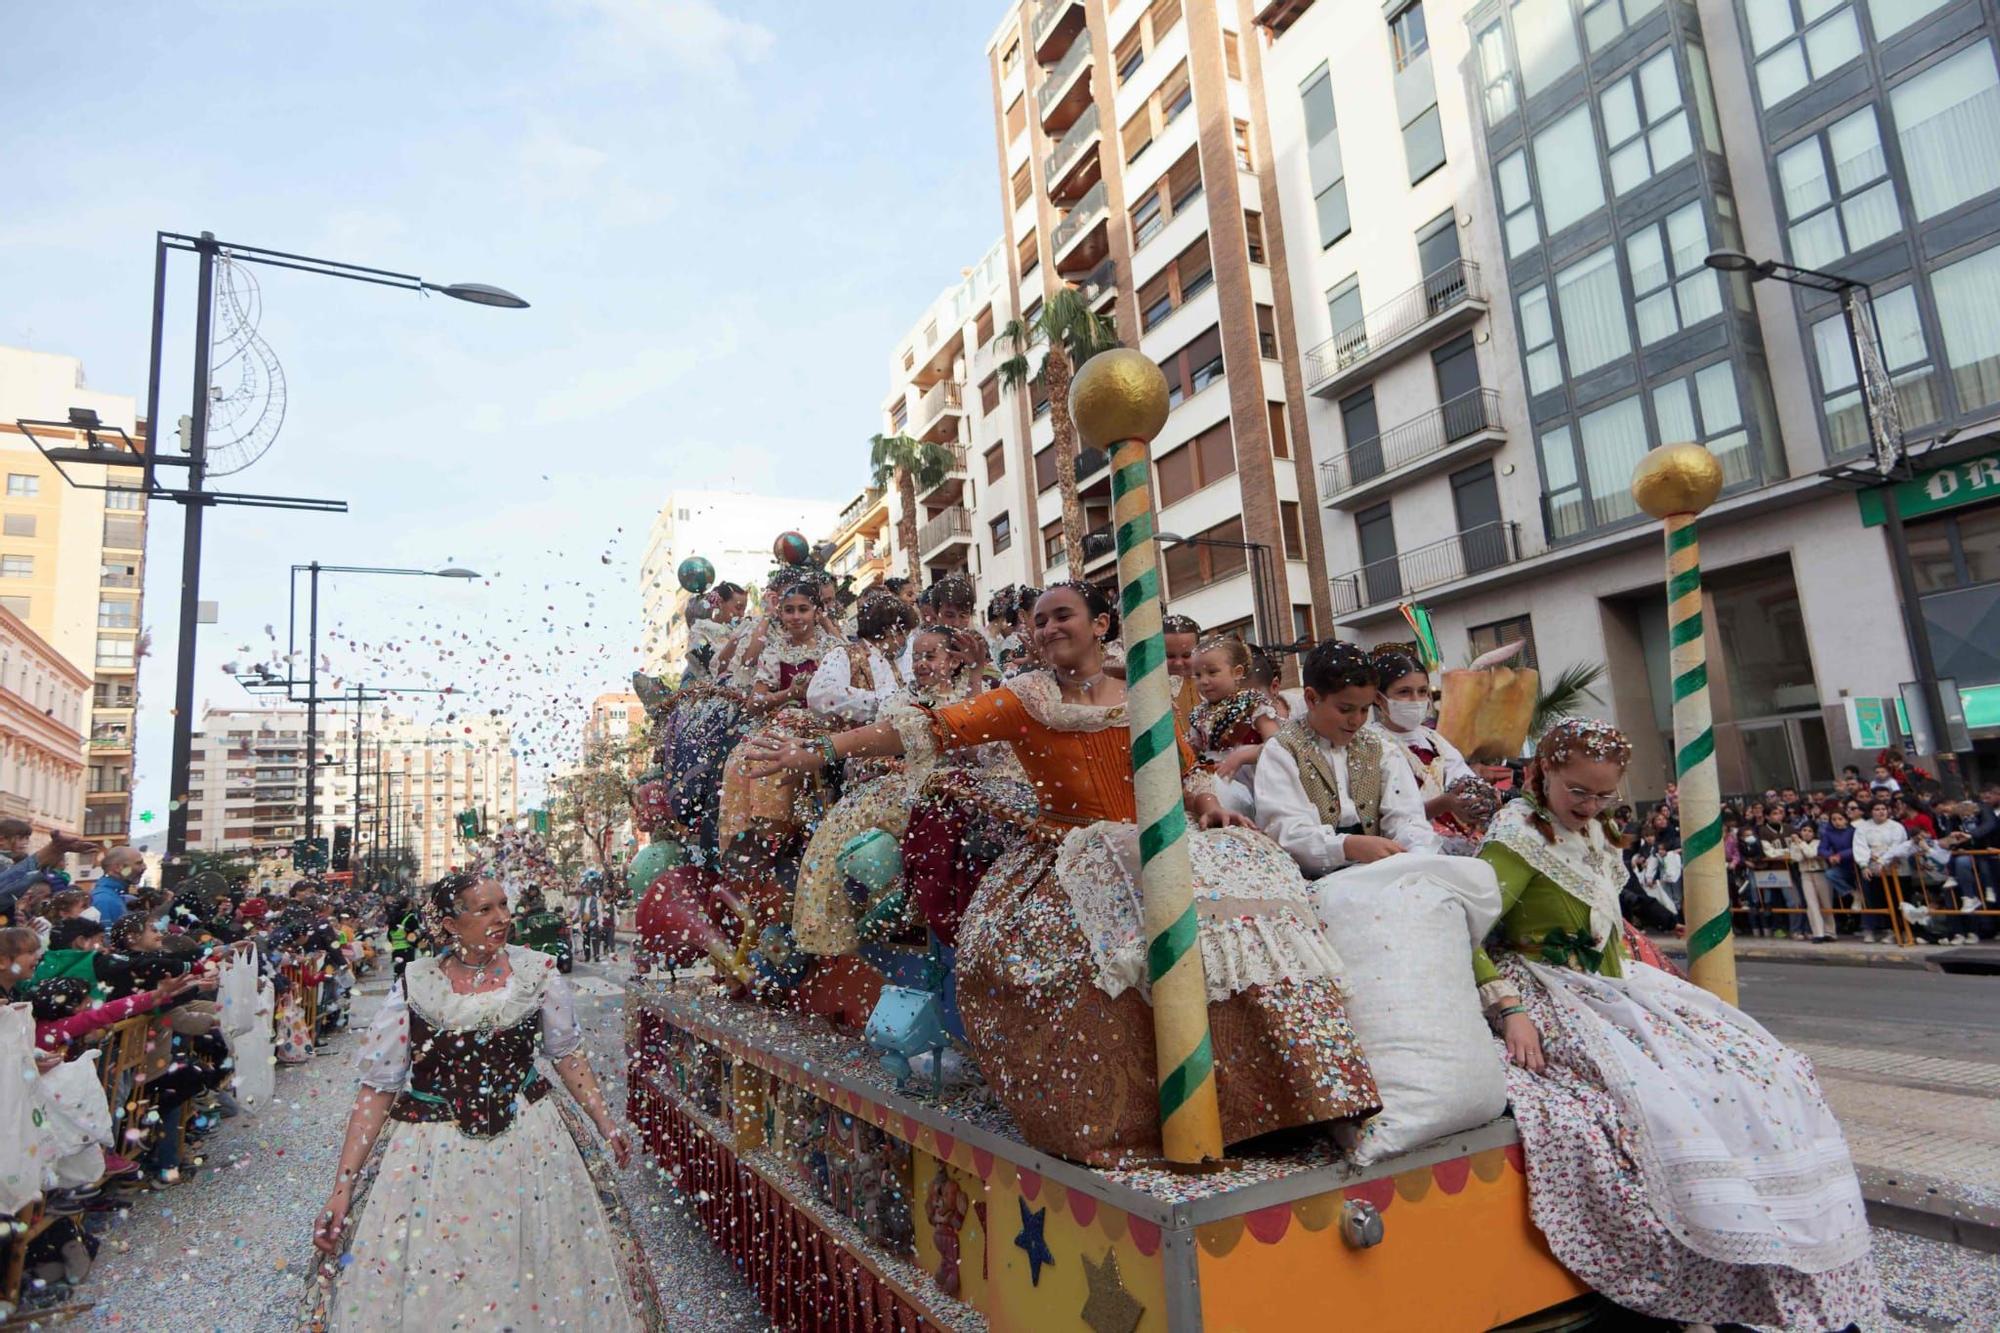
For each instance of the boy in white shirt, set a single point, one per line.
(1880, 845)
(1330, 790)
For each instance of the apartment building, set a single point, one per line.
(72, 562)
(944, 387)
(863, 542)
(614, 718)
(247, 778)
(1135, 160)
(430, 772)
(1504, 305)
(735, 531)
(44, 702)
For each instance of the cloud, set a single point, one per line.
(694, 36)
(556, 172)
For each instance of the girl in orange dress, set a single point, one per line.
(1052, 955)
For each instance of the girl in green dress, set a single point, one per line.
(1680, 1159)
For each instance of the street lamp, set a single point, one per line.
(192, 497)
(312, 650)
(1889, 457)
(1261, 625)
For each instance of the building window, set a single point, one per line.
(1889, 17)
(989, 394)
(996, 463)
(1517, 204)
(1496, 74)
(1045, 468)
(1614, 441)
(115, 652)
(1190, 273)
(1029, 255)
(1011, 58)
(1375, 532)
(1592, 306)
(1605, 20)
(1053, 553)
(1253, 235)
(1547, 42)
(22, 484)
(1017, 118)
(1202, 461)
(17, 566)
(1193, 368)
(1566, 174)
(118, 574)
(1232, 57)
(1245, 159)
(1672, 289)
(1967, 293)
(1164, 201)
(1908, 361)
(1024, 185)
(1948, 121)
(1323, 162)
(1130, 55)
(1281, 446)
(1291, 529)
(18, 605)
(1645, 124)
(114, 613)
(1267, 332)
(1191, 567)
(19, 525)
(1567, 511)
(1484, 639)
(123, 497)
(1137, 134)
(1423, 144)
(1343, 307)
(1791, 50)
(1407, 37)
(123, 534)
(1003, 533)
(1835, 212)
(1957, 551)
(1175, 96)
(1703, 408)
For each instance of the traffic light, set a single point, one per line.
(540, 821)
(343, 846)
(309, 855)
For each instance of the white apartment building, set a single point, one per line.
(1136, 167)
(1503, 305)
(430, 772)
(944, 387)
(246, 781)
(734, 530)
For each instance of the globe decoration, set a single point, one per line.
(649, 862)
(678, 919)
(872, 858)
(791, 548)
(696, 574)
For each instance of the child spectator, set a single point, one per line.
(1881, 845)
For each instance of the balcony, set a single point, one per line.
(1277, 15)
(1443, 303)
(1072, 165)
(1466, 426)
(952, 527)
(1100, 282)
(1474, 551)
(1081, 240)
(1063, 95)
(857, 507)
(952, 483)
(1055, 24)
(110, 744)
(938, 413)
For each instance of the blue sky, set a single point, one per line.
(723, 211)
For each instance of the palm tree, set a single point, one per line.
(916, 465)
(1563, 697)
(1073, 333)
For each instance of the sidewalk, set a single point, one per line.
(1844, 953)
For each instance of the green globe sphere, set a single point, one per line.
(696, 574)
(649, 863)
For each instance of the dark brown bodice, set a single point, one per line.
(477, 1078)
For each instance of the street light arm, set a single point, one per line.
(475, 293)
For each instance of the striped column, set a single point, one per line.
(1674, 484)
(1119, 402)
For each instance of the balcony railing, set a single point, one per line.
(1049, 18)
(1472, 551)
(956, 469)
(1098, 281)
(1088, 210)
(942, 397)
(110, 742)
(1059, 78)
(1090, 462)
(1074, 141)
(1418, 438)
(861, 504)
(1451, 286)
(952, 524)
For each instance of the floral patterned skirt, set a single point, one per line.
(1074, 1065)
(1598, 1173)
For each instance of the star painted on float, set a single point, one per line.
(1031, 1240)
(1111, 1308)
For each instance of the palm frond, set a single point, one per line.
(929, 464)
(1565, 695)
(887, 453)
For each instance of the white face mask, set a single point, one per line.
(1407, 714)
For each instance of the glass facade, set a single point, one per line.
(1605, 147)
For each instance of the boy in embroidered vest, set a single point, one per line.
(1329, 791)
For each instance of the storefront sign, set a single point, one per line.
(1868, 723)
(1941, 488)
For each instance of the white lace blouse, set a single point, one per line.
(532, 983)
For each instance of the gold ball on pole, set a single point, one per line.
(1677, 479)
(1119, 395)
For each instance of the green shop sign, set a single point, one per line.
(1942, 488)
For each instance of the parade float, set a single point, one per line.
(821, 1115)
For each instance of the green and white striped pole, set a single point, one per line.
(1674, 484)
(1119, 403)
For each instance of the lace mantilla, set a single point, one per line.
(1042, 697)
(430, 993)
(1584, 865)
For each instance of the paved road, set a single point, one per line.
(1896, 1008)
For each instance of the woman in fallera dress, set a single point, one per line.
(1051, 954)
(481, 1211)
(1681, 1160)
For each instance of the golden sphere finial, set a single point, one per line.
(1677, 479)
(1119, 395)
